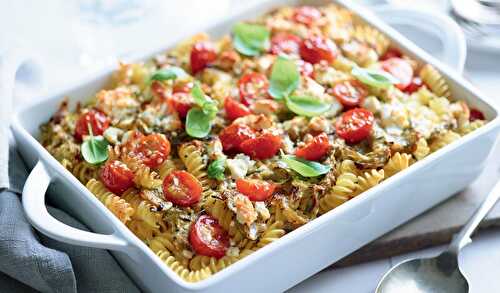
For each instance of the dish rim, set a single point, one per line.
(295, 235)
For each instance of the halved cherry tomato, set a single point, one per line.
(232, 136)
(317, 48)
(400, 69)
(182, 102)
(152, 149)
(306, 15)
(391, 53)
(315, 149)
(235, 109)
(253, 86)
(208, 238)
(117, 177)
(96, 119)
(202, 54)
(182, 188)
(305, 68)
(182, 87)
(285, 43)
(475, 114)
(262, 147)
(355, 125)
(254, 189)
(350, 93)
(414, 85)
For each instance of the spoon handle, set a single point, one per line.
(462, 238)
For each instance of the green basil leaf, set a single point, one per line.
(375, 78)
(216, 169)
(168, 73)
(306, 106)
(95, 149)
(210, 108)
(198, 94)
(198, 124)
(304, 167)
(285, 78)
(250, 39)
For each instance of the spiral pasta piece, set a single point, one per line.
(345, 186)
(443, 139)
(397, 163)
(215, 265)
(186, 274)
(422, 149)
(372, 37)
(192, 156)
(84, 171)
(114, 203)
(369, 180)
(143, 210)
(435, 81)
(274, 232)
(470, 126)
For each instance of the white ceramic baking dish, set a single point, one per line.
(299, 254)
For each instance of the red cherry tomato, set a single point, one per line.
(96, 119)
(255, 190)
(235, 109)
(253, 86)
(232, 136)
(208, 238)
(317, 48)
(262, 147)
(306, 15)
(315, 149)
(202, 54)
(182, 188)
(415, 84)
(284, 43)
(391, 53)
(152, 149)
(305, 68)
(182, 103)
(117, 177)
(475, 114)
(400, 69)
(349, 93)
(355, 125)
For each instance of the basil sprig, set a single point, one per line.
(304, 167)
(376, 78)
(172, 72)
(199, 119)
(94, 148)
(216, 169)
(285, 78)
(250, 39)
(306, 106)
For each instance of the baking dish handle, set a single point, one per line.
(37, 214)
(448, 31)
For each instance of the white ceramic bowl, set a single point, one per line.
(300, 253)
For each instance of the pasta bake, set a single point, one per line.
(217, 148)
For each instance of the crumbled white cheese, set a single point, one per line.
(261, 209)
(243, 208)
(113, 134)
(214, 149)
(233, 251)
(372, 104)
(240, 165)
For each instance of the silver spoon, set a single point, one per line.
(440, 274)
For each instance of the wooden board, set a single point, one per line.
(437, 225)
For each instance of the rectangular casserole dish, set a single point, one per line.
(300, 253)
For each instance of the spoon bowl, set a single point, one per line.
(439, 274)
